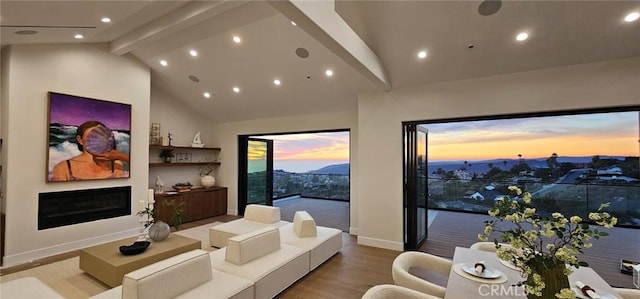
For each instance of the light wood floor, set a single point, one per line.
(348, 274)
(356, 268)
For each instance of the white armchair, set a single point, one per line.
(389, 291)
(628, 293)
(409, 259)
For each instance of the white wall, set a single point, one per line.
(380, 117)
(29, 72)
(226, 134)
(184, 124)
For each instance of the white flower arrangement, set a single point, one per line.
(540, 243)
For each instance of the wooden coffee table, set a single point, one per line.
(108, 265)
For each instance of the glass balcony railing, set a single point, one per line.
(323, 186)
(569, 199)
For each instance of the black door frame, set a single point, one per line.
(410, 191)
(243, 166)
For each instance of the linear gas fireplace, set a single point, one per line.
(78, 206)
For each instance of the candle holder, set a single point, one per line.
(146, 220)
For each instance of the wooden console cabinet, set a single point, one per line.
(198, 204)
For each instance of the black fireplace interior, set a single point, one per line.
(71, 207)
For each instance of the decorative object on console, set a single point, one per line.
(182, 187)
(135, 248)
(208, 181)
(159, 231)
(544, 266)
(159, 185)
(196, 141)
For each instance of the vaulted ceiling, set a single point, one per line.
(370, 46)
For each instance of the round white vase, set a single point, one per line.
(207, 181)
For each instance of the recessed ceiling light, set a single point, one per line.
(237, 39)
(422, 54)
(105, 20)
(277, 82)
(236, 89)
(329, 73)
(193, 53)
(632, 17)
(163, 62)
(78, 36)
(206, 95)
(522, 36)
(294, 23)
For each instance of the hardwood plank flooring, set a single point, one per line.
(356, 268)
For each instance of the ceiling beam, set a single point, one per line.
(320, 20)
(183, 17)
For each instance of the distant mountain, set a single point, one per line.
(342, 169)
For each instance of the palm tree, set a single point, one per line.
(505, 165)
(465, 165)
(520, 158)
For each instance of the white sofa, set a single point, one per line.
(259, 256)
(321, 242)
(255, 218)
(187, 275)
(27, 287)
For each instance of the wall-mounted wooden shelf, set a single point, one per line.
(184, 148)
(182, 164)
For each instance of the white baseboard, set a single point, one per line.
(33, 255)
(386, 244)
(353, 231)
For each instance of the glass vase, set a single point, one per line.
(553, 277)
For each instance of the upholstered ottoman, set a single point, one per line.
(321, 242)
(255, 218)
(259, 256)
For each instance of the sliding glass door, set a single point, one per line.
(415, 186)
(255, 176)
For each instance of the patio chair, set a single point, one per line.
(486, 246)
(389, 291)
(409, 259)
(628, 293)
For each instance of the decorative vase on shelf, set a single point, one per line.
(207, 181)
(159, 231)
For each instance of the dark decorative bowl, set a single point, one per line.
(182, 188)
(135, 248)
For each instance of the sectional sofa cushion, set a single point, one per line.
(325, 244)
(27, 287)
(255, 217)
(304, 225)
(188, 275)
(245, 248)
(273, 271)
(262, 213)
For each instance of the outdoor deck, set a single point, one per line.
(451, 229)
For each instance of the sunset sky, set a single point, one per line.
(614, 134)
(308, 146)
